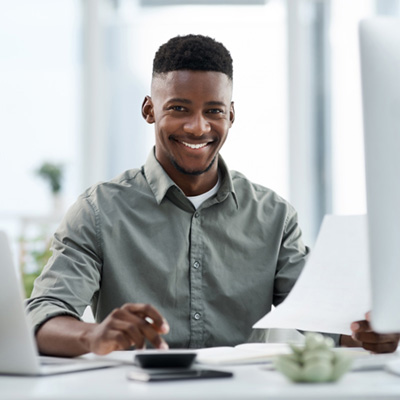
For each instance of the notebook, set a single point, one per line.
(18, 352)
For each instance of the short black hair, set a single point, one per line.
(193, 52)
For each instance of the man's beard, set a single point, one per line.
(195, 172)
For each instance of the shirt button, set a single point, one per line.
(196, 264)
(197, 316)
(196, 214)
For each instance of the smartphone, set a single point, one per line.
(159, 376)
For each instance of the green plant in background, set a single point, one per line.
(35, 253)
(53, 173)
(315, 362)
(35, 248)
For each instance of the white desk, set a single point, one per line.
(249, 382)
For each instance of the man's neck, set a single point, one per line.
(191, 184)
(194, 185)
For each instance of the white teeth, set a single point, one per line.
(194, 146)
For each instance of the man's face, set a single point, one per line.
(192, 112)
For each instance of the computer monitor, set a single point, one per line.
(380, 73)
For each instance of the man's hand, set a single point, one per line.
(364, 336)
(127, 326)
(130, 325)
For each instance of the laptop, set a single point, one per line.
(18, 352)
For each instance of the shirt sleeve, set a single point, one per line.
(72, 276)
(292, 257)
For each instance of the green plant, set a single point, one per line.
(53, 173)
(315, 362)
(35, 252)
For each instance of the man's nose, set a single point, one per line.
(197, 124)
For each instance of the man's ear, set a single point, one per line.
(148, 110)
(232, 113)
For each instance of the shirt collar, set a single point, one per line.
(160, 182)
(158, 179)
(226, 182)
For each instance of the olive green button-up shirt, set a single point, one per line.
(212, 272)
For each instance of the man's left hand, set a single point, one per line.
(364, 336)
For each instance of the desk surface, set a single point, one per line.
(249, 382)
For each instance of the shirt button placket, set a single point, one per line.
(196, 252)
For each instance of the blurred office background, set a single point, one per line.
(73, 74)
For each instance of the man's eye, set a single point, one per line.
(215, 111)
(177, 108)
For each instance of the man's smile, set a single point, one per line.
(191, 144)
(194, 146)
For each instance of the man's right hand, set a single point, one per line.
(130, 325)
(127, 326)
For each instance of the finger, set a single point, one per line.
(120, 339)
(152, 335)
(368, 316)
(381, 347)
(137, 328)
(373, 337)
(129, 324)
(153, 317)
(360, 326)
(148, 311)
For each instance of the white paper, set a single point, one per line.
(334, 288)
(247, 353)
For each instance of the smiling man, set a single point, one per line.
(192, 112)
(181, 252)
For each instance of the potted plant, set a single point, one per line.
(53, 174)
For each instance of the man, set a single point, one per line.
(181, 240)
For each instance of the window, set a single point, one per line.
(39, 108)
(39, 100)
